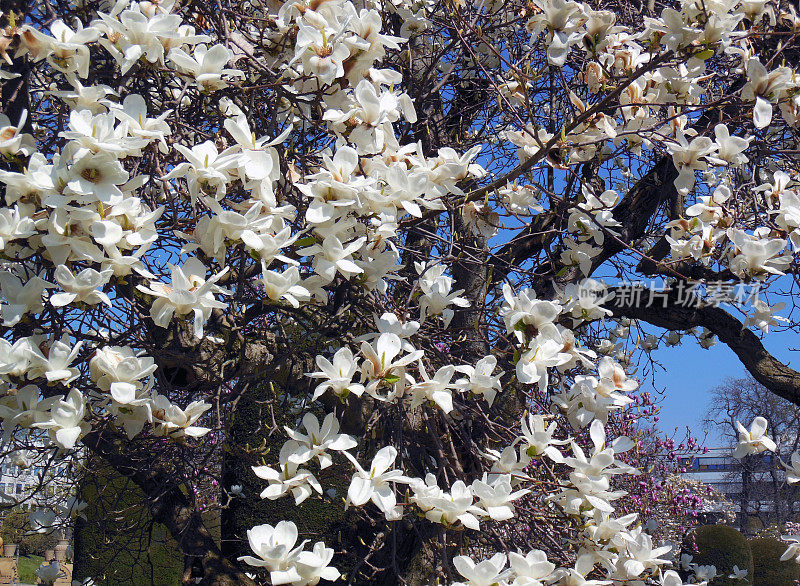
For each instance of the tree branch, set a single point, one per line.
(765, 368)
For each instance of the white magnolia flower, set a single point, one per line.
(66, 51)
(793, 470)
(530, 569)
(545, 351)
(337, 375)
(313, 565)
(509, 461)
(206, 169)
(704, 572)
(80, 97)
(16, 358)
(437, 389)
(332, 255)
(584, 300)
(287, 564)
(225, 227)
(383, 361)
(119, 370)
(436, 293)
(764, 87)
(284, 285)
(605, 528)
(206, 65)
(757, 256)
(537, 440)
(446, 508)
(317, 440)
(689, 157)
(738, 574)
(484, 573)
(601, 461)
(258, 161)
(579, 254)
(142, 34)
(21, 298)
(13, 225)
(97, 178)
(170, 420)
(793, 551)
(763, 315)
(577, 576)
(495, 496)
(639, 556)
(65, 420)
(525, 309)
(375, 484)
(43, 520)
(276, 551)
(613, 379)
(72, 508)
(730, 148)
(53, 361)
(289, 478)
(134, 113)
(21, 408)
(190, 292)
(83, 287)
(103, 143)
(755, 440)
(389, 323)
(49, 573)
(480, 379)
(12, 139)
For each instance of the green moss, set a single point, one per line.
(722, 547)
(119, 543)
(767, 567)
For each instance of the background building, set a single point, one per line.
(33, 486)
(756, 485)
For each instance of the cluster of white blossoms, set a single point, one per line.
(81, 212)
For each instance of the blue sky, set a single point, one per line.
(691, 372)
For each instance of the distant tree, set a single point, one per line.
(16, 529)
(744, 399)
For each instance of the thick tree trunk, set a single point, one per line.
(170, 507)
(15, 93)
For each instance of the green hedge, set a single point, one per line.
(722, 547)
(767, 567)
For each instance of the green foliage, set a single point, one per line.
(720, 546)
(767, 567)
(119, 543)
(17, 529)
(26, 568)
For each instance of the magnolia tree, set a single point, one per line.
(422, 245)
